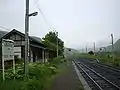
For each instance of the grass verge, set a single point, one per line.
(39, 78)
(103, 58)
(64, 73)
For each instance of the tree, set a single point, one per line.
(50, 40)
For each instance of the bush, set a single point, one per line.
(39, 75)
(38, 78)
(19, 75)
(58, 60)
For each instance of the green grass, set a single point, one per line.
(103, 58)
(39, 78)
(62, 69)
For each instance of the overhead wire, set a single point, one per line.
(4, 28)
(36, 2)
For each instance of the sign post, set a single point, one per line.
(3, 69)
(7, 54)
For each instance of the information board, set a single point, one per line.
(7, 54)
(8, 49)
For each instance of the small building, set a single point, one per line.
(38, 51)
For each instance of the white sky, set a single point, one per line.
(79, 22)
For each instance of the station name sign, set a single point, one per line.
(8, 49)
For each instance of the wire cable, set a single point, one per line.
(36, 2)
(5, 28)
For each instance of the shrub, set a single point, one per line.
(39, 75)
(19, 75)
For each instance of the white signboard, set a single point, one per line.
(7, 49)
(7, 54)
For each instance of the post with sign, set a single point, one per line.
(7, 54)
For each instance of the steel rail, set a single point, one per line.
(88, 76)
(96, 83)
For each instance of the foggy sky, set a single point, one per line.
(79, 22)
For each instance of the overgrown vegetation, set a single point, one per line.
(51, 39)
(39, 76)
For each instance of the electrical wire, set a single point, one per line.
(5, 28)
(36, 2)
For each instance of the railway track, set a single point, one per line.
(111, 74)
(103, 65)
(94, 79)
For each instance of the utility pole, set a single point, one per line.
(27, 50)
(112, 46)
(57, 50)
(57, 43)
(94, 47)
(26, 38)
(86, 48)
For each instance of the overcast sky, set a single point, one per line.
(79, 22)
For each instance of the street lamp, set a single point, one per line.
(33, 14)
(27, 15)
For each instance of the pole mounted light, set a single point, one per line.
(33, 14)
(27, 15)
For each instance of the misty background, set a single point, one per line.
(79, 22)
